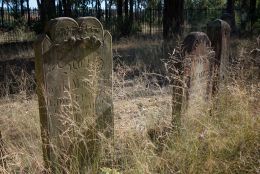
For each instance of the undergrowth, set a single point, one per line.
(223, 138)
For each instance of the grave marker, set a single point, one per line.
(74, 78)
(197, 70)
(255, 57)
(219, 35)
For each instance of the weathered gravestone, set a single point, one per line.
(255, 59)
(74, 86)
(219, 35)
(197, 71)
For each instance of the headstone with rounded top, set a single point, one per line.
(197, 70)
(219, 35)
(74, 86)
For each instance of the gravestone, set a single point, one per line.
(74, 87)
(219, 35)
(255, 60)
(197, 70)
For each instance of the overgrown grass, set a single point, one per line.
(222, 138)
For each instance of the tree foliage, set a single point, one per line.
(126, 10)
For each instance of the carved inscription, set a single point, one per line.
(197, 69)
(219, 34)
(75, 89)
(74, 71)
(199, 72)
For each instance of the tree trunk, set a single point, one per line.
(60, 12)
(230, 16)
(50, 4)
(28, 13)
(109, 10)
(166, 19)
(119, 8)
(119, 16)
(178, 16)
(16, 9)
(67, 8)
(106, 10)
(245, 7)
(22, 7)
(131, 17)
(136, 10)
(2, 12)
(173, 18)
(47, 11)
(230, 7)
(43, 14)
(98, 8)
(126, 10)
(252, 12)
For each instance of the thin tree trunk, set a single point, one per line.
(16, 9)
(136, 10)
(47, 10)
(22, 7)
(119, 8)
(60, 8)
(51, 9)
(28, 13)
(131, 10)
(109, 10)
(252, 12)
(106, 10)
(8, 12)
(43, 14)
(67, 8)
(230, 16)
(2, 12)
(119, 15)
(98, 8)
(126, 9)
(244, 15)
(178, 16)
(173, 18)
(131, 16)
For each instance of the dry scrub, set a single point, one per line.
(224, 138)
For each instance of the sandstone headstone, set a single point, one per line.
(219, 35)
(255, 57)
(197, 70)
(74, 80)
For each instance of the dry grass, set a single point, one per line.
(133, 42)
(21, 135)
(224, 140)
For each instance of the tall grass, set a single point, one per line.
(222, 138)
